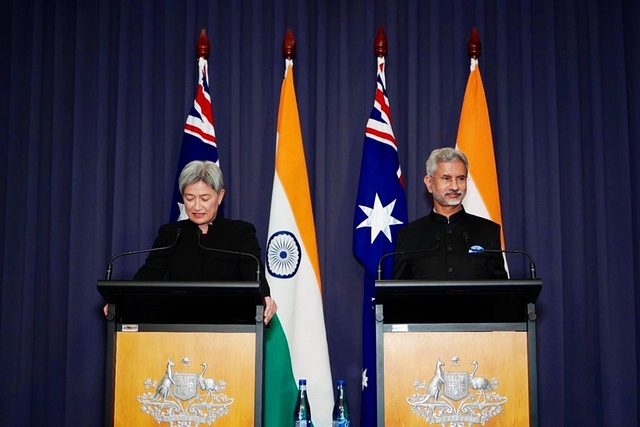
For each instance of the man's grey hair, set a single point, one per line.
(201, 170)
(446, 154)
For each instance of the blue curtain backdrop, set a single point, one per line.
(95, 94)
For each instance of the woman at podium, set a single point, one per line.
(205, 246)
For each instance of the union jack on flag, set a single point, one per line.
(381, 209)
(199, 139)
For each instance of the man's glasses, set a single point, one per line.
(446, 179)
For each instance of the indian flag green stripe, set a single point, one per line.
(280, 385)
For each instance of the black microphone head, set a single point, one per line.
(199, 238)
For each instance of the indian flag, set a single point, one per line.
(476, 141)
(296, 341)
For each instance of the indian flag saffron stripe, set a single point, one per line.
(476, 141)
(296, 342)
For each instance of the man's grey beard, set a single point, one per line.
(446, 202)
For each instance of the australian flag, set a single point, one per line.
(199, 139)
(381, 209)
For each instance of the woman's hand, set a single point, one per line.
(270, 308)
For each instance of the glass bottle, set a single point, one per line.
(341, 416)
(302, 412)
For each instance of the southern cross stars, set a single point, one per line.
(379, 218)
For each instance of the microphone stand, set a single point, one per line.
(231, 253)
(476, 249)
(140, 251)
(383, 257)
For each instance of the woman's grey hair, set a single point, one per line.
(201, 170)
(446, 154)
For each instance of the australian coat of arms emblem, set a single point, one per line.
(456, 399)
(185, 399)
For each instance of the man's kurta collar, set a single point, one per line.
(456, 217)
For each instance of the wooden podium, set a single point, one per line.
(183, 353)
(457, 353)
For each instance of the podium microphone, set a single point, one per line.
(224, 251)
(477, 249)
(141, 251)
(418, 251)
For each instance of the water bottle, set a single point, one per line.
(341, 416)
(302, 412)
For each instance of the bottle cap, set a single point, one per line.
(341, 382)
(302, 382)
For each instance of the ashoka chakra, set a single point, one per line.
(283, 255)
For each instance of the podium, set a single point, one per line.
(456, 353)
(183, 353)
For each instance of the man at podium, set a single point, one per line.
(436, 247)
(206, 246)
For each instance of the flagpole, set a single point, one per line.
(380, 45)
(474, 47)
(380, 210)
(289, 46)
(199, 136)
(372, 409)
(202, 45)
(476, 141)
(296, 340)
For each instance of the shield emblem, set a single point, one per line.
(456, 385)
(185, 385)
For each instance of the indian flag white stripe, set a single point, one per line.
(473, 202)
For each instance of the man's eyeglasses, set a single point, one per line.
(446, 179)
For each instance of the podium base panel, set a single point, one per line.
(160, 379)
(419, 390)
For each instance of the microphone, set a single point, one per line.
(382, 258)
(141, 251)
(477, 249)
(224, 251)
